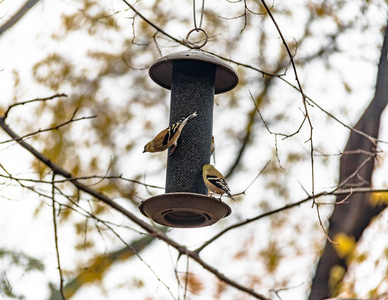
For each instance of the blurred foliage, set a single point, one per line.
(15, 260)
(100, 264)
(109, 80)
(21, 259)
(345, 244)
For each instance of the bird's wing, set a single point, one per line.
(218, 182)
(172, 130)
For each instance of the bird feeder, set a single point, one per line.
(193, 77)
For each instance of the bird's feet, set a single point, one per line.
(172, 149)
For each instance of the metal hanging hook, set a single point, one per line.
(192, 45)
(195, 17)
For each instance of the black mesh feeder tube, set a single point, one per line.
(193, 78)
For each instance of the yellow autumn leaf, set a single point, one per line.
(379, 198)
(346, 244)
(336, 275)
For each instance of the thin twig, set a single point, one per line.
(303, 97)
(374, 140)
(258, 175)
(323, 227)
(72, 119)
(107, 200)
(87, 214)
(284, 135)
(346, 180)
(250, 220)
(334, 192)
(186, 277)
(31, 101)
(151, 23)
(276, 291)
(118, 177)
(140, 258)
(56, 240)
(247, 66)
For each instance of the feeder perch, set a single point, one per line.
(193, 78)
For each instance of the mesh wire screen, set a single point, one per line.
(192, 89)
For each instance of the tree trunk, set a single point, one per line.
(356, 168)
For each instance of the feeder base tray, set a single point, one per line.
(184, 210)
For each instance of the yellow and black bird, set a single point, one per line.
(215, 181)
(168, 137)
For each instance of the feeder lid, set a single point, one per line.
(184, 210)
(161, 70)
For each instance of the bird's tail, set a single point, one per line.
(230, 195)
(185, 120)
(191, 116)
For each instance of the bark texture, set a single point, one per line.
(356, 169)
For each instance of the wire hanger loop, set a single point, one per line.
(195, 17)
(194, 45)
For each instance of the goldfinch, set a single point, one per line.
(168, 137)
(215, 182)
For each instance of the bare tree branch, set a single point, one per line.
(102, 263)
(158, 29)
(61, 279)
(57, 170)
(71, 120)
(334, 192)
(352, 219)
(110, 177)
(16, 17)
(32, 101)
(303, 97)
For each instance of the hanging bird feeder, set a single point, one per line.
(193, 77)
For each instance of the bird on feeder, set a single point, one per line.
(168, 137)
(215, 181)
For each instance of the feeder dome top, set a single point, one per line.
(226, 77)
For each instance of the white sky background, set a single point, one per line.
(29, 41)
